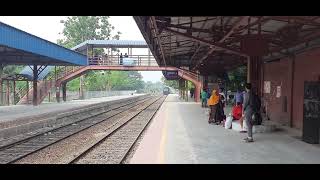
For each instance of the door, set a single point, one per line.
(311, 112)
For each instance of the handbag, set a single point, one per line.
(256, 119)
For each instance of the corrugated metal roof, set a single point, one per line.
(39, 49)
(111, 43)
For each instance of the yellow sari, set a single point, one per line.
(214, 98)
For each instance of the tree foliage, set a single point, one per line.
(78, 29)
(171, 83)
(11, 70)
(237, 78)
(175, 83)
(109, 80)
(151, 87)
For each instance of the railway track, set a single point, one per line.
(18, 150)
(114, 147)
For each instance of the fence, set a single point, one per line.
(131, 60)
(75, 95)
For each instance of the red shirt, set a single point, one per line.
(237, 112)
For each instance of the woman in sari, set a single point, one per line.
(212, 103)
(219, 116)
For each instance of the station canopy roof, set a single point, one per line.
(213, 43)
(21, 48)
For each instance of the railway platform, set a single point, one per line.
(180, 133)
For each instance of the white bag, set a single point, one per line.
(228, 122)
(244, 124)
(207, 111)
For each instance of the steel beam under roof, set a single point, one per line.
(225, 33)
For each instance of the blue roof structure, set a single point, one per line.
(110, 44)
(21, 48)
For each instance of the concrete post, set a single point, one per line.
(111, 59)
(35, 85)
(292, 69)
(27, 85)
(180, 87)
(254, 73)
(261, 79)
(58, 94)
(8, 93)
(148, 57)
(81, 87)
(226, 91)
(14, 92)
(1, 94)
(183, 89)
(55, 73)
(197, 92)
(64, 92)
(248, 70)
(187, 95)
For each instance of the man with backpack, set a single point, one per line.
(251, 108)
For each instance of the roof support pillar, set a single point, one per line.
(27, 89)
(292, 78)
(187, 90)
(8, 93)
(14, 92)
(81, 92)
(254, 77)
(58, 93)
(64, 92)
(148, 57)
(197, 92)
(35, 85)
(1, 94)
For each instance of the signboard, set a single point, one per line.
(311, 113)
(171, 75)
(278, 91)
(267, 87)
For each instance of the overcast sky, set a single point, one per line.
(49, 27)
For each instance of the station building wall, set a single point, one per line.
(306, 67)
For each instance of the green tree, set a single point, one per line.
(125, 80)
(237, 77)
(78, 29)
(150, 87)
(171, 83)
(9, 70)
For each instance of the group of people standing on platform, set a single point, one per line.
(216, 103)
(246, 104)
